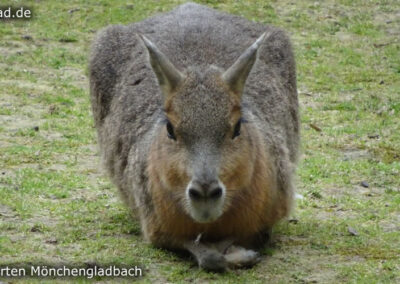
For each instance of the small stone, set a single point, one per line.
(73, 10)
(373, 136)
(27, 37)
(67, 40)
(90, 263)
(298, 196)
(52, 241)
(36, 228)
(315, 127)
(364, 184)
(352, 231)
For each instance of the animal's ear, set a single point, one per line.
(167, 74)
(236, 75)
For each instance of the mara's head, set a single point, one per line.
(203, 152)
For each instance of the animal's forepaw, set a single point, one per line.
(237, 256)
(213, 261)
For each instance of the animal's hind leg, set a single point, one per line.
(242, 256)
(237, 256)
(260, 239)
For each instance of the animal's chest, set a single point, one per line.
(240, 222)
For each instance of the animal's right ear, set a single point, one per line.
(167, 74)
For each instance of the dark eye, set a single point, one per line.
(236, 131)
(170, 131)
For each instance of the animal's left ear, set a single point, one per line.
(236, 75)
(167, 74)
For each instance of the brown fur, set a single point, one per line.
(258, 205)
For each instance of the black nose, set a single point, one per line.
(195, 194)
(215, 193)
(202, 192)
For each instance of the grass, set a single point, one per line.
(56, 206)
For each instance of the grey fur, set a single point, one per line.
(127, 101)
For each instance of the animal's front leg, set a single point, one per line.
(208, 257)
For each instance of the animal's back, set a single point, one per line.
(126, 98)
